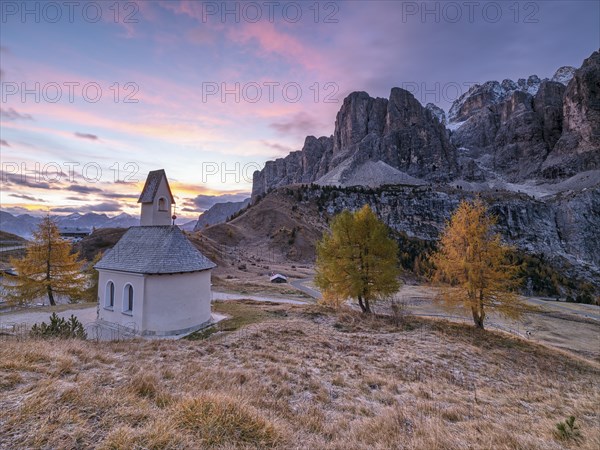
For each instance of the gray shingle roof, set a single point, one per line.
(154, 250)
(152, 184)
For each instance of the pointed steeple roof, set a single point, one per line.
(151, 187)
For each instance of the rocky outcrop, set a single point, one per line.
(548, 105)
(359, 117)
(303, 166)
(531, 136)
(517, 134)
(479, 97)
(476, 99)
(416, 142)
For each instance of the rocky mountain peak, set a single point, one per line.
(437, 112)
(359, 116)
(532, 128)
(564, 74)
(409, 139)
(490, 93)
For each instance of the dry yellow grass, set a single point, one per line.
(304, 379)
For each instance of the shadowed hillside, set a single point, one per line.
(10, 239)
(99, 241)
(277, 228)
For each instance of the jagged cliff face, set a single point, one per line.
(563, 228)
(578, 148)
(516, 134)
(304, 166)
(534, 129)
(219, 213)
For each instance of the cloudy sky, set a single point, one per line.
(95, 95)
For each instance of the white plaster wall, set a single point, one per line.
(151, 215)
(116, 315)
(177, 302)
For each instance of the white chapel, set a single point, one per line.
(154, 281)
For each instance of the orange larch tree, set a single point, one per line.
(49, 268)
(472, 267)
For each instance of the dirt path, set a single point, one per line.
(300, 284)
(24, 320)
(224, 296)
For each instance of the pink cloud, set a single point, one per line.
(275, 42)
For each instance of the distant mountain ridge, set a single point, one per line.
(24, 224)
(219, 213)
(530, 130)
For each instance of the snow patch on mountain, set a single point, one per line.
(564, 74)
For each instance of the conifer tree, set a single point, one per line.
(49, 268)
(357, 260)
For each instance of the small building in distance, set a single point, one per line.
(154, 281)
(74, 233)
(278, 278)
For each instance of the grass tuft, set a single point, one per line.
(144, 384)
(216, 419)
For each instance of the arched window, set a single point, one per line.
(109, 295)
(162, 204)
(128, 299)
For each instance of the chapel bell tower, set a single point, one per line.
(156, 199)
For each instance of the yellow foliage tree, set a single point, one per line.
(48, 268)
(357, 260)
(472, 265)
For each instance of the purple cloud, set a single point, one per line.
(100, 207)
(300, 124)
(28, 197)
(84, 189)
(88, 136)
(10, 114)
